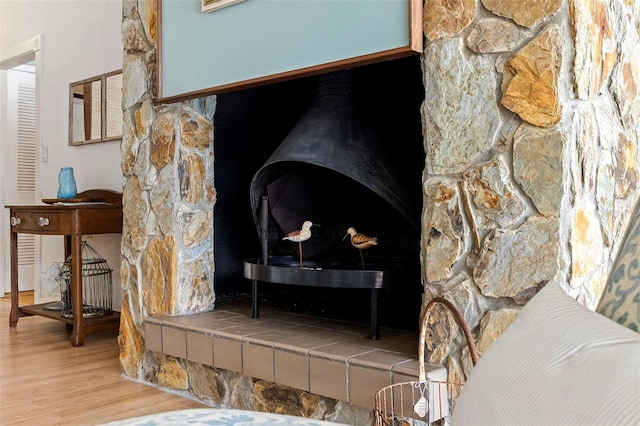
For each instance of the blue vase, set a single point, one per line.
(67, 183)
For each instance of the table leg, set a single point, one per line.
(13, 243)
(255, 301)
(375, 329)
(77, 335)
(67, 247)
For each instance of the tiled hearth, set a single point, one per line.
(325, 357)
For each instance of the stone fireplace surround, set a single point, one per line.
(530, 126)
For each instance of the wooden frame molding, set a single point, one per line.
(414, 46)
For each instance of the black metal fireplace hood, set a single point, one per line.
(330, 170)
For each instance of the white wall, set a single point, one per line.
(82, 39)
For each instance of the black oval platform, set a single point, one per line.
(286, 270)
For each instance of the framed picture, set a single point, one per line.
(211, 5)
(264, 42)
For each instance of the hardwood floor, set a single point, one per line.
(46, 381)
(24, 298)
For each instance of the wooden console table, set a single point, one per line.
(71, 220)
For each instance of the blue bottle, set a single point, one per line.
(67, 183)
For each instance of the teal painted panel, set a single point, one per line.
(258, 38)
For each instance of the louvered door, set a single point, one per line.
(19, 164)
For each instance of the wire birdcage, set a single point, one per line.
(422, 402)
(97, 289)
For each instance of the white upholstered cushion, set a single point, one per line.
(557, 364)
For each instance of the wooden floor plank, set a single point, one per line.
(46, 381)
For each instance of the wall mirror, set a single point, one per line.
(95, 109)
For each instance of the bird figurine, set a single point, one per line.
(360, 241)
(299, 236)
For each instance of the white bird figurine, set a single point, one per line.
(360, 241)
(300, 235)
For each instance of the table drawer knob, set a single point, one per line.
(15, 221)
(43, 221)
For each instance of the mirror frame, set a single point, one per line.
(103, 109)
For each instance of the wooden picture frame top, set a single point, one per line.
(211, 5)
(414, 46)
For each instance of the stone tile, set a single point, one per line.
(174, 342)
(328, 378)
(402, 378)
(209, 326)
(153, 336)
(330, 358)
(257, 361)
(359, 329)
(201, 322)
(200, 348)
(291, 369)
(191, 322)
(339, 351)
(301, 319)
(408, 347)
(364, 383)
(240, 330)
(303, 343)
(243, 319)
(335, 336)
(183, 320)
(281, 323)
(221, 315)
(382, 344)
(436, 372)
(160, 318)
(273, 314)
(294, 329)
(269, 337)
(383, 360)
(411, 368)
(227, 354)
(240, 311)
(396, 341)
(153, 320)
(343, 326)
(233, 302)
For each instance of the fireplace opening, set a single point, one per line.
(251, 124)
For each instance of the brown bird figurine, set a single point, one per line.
(299, 236)
(360, 241)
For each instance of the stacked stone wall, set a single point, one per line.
(531, 134)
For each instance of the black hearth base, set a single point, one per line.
(285, 270)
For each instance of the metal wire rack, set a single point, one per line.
(97, 289)
(422, 402)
